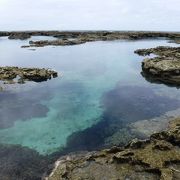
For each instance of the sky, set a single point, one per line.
(163, 15)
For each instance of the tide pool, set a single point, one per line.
(73, 102)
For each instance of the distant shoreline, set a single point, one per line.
(79, 37)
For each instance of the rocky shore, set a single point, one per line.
(79, 37)
(11, 75)
(63, 42)
(164, 67)
(155, 158)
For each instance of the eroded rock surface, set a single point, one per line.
(156, 158)
(165, 67)
(9, 74)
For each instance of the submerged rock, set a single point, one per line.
(21, 163)
(8, 74)
(165, 67)
(156, 158)
(124, 105)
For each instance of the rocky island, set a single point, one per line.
(9, 74)
(164, 67)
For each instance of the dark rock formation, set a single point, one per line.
(8, 74)
(163, 68)
(75, 37)
(82, 37)
(21, 36)
(157, 158)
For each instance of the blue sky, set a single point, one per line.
(90, 15)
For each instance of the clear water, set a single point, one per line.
(98, 82)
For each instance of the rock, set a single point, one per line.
(8, 74)
(74, 37)
(25, 46)
(21, 36)
(156, 158)
(165, 67)
(62, 42)
(162, 145)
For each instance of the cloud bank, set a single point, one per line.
(90, 15)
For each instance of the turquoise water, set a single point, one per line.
(97, 81)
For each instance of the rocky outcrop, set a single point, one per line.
(156, 158)
(20, 36)
(83, 37)
(86, 36)
(61, 42)
(9, 74)
(165, 67)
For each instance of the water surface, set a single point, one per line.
(98, 93)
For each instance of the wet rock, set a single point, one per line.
(8, 74)
(154, 159)
(165, 67)
(172, 136)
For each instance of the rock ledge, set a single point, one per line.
(165, 67)
(9, 74)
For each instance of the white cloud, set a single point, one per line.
(90, 14)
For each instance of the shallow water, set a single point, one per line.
(98, 93)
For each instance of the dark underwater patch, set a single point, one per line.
(20, 163)
(27, 111)
(122, 105)
(131, 103)
(22, 106)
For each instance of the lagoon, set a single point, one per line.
(99, 92)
